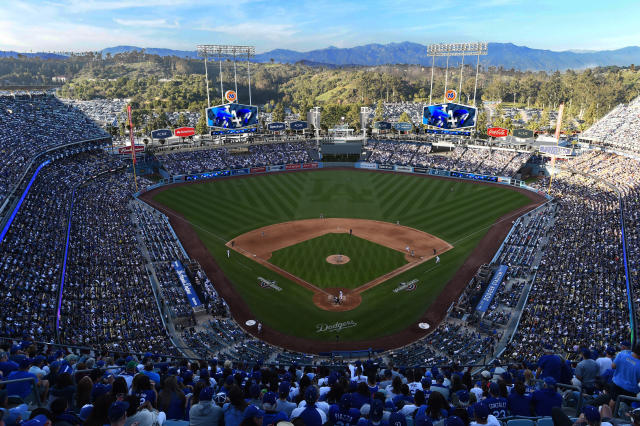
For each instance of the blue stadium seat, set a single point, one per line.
(520, 422)
(176, 423)
(545, 421)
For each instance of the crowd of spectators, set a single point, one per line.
(190, 162)
(619, 129)
(102, 111)
(96, 388)
(35, 123)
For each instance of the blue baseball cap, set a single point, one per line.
(591, 413)
(422, 419)
(117, 411)
(253, 411)
(549, 381)
(463, 395)
(269, 398)
(480, 410)
(345, 401)
(397, 419)
(206, 394)
(377, 411)
(311, 395)
(453, 421)
(284, 388)
(85, 412)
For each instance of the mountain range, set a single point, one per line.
(507, 55)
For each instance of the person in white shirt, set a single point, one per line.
(604, 362)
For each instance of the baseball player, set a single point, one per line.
(437, 259)
(228, 253)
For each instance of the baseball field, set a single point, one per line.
(315, 234)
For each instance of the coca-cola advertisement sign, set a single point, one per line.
(497, 132)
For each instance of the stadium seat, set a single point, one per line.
(520, 422)
(545, 421)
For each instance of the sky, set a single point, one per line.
(91, 25)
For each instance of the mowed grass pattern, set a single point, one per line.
(458, 212)
(368, 260)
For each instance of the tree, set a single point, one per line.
(481, 124)
(379, 115)
(182, 120)
(278, 113)
(201, 126)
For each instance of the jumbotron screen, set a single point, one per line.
(232, 116)
(449, 116)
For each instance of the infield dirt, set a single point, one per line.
(417, 246)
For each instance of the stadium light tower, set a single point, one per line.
(226, 51)
(456, 49)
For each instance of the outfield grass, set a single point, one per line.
(458, 212)
(368, 260)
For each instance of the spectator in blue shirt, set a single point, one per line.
(545, 399)
(22, 389)
(519, 402)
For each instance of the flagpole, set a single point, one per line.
(133, 151)
(553, 159)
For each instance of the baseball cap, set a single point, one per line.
(345, 401)
(39, 420)
(117, 410)
(397, 419)
(25, 363)
(494, 388)
(269, 398)
(591, 413)
(131, 364)
(206, 394)
(480, 411)
(311, 395)
(549, 381)
(486, 374)
(204, 374)
(463, 395)
(220, 398)
(85, 412)
(284, 388)
(376, 411)
(98, 390)
(253, 411)
(453, 421)
(421, 418)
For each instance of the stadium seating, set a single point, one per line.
(618, 129)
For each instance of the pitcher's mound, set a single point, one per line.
(338, 259)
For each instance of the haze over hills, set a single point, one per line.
(507, 55)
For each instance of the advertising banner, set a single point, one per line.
(277, 168)
(555, 150)
(491, 290)
(276, 127)
(382, 125)
(504, 180)
(365, 165)
(449, 116)
(523, 133)
(244, 171)
(298, 125)
(420, 170)
(126, 150)
(258, 169)
(293, 166)
(161, 134)
(194, 301)
(310, 166)
(184, 132)
(436, 172)
(232, 116)
(385, 167)
(405, 169)
(403, 126)
(497, 132)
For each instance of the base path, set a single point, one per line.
(240, 311)
(260, 244)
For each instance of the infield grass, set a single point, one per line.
(368, 260)
(458, 212)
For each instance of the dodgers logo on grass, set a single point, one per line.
(451, 95)
(230, 96)
(337, 326)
